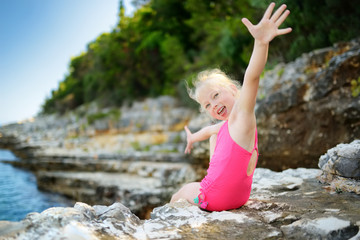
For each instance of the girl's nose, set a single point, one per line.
(214, 107)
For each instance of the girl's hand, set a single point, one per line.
(268, 28)
(189, 140)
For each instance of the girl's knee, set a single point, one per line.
(179, 194)
(176, 196)
(187, 192)
(173, 198)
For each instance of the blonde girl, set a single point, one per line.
(233, 141)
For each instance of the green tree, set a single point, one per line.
(166, 41)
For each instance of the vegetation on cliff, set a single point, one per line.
(167, 41)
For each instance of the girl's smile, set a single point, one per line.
(217, 101)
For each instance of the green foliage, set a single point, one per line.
(178, 139)
(338, 190)
(317, 24)
(113, 114)
(93, 117)
(280, 72)
(167, 41)
(355, 87)
(138, 147)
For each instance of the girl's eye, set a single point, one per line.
(216, 95)
(207, 106)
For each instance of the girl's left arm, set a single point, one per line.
(201, 135)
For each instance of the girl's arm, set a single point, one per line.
(201, 135)
(266, 30)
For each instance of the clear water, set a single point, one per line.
(19, 194)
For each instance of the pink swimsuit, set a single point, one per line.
(227, 185)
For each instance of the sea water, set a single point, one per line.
(19, 194)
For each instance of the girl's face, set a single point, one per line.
(217, 101)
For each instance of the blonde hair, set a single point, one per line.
(216, 77)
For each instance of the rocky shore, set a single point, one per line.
(100, 156)
(133, 156)
(284, 205)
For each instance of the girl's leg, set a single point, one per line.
(188, 192)
(191, 190)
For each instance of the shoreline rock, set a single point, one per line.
(142, 187)
(283, 205)
(341, 167)
(98, 155)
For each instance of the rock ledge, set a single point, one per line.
(284, 205)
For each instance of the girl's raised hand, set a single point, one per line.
(268, 28)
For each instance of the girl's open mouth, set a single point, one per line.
(221, 110)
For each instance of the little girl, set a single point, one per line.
(233, 142)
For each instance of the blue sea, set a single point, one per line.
(19, 194)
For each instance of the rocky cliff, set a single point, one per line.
(310, 105)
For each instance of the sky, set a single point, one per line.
(38, 38)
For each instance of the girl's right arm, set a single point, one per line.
(201, 135)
